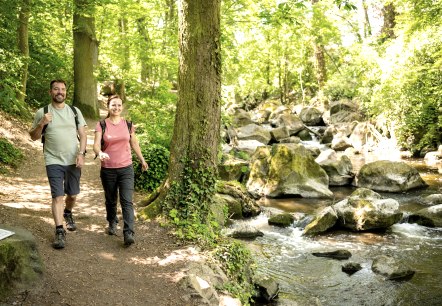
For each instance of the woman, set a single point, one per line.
(114, 138)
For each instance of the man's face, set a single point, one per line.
(58, 92)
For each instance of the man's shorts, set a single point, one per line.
(63, 180)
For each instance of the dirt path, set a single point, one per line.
(94, 268)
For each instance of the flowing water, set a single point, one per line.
(286, 255)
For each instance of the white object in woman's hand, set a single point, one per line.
(103, 156)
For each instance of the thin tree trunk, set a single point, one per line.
(23, 45)
(389, 14)
(366, 22)
(320, 64)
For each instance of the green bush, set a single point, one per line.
(157, 157)
(154, 115)
(9, 155)
(238, 264)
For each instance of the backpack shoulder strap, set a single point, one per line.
(103, 129)
(129, 127)
(74, 110)
(45, 111)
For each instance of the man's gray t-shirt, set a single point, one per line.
(61, 143)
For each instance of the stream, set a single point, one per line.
(286, 256)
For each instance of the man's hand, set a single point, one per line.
(80, 160)
(46, 119)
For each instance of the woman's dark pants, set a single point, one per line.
(119, 180)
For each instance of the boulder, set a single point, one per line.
(389, 176)
(20, 262)
(287, 170)
(232, 169)
(239, 202)
(430, 216)
(253, 132)
(292, 122)
(339, 169)
(365, 210)
(390, 268)
(281, 220)
(338, 254)
(325, 219)
(432, 199)
(311, 116)
(241, 118)
(268, 288)
(245, 232)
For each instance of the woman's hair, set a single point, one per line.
(109, 99)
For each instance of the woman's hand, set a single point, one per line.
(144, 165)
(103, 156)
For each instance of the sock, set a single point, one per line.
(67, 211)
(58, 227)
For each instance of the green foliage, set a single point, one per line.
(410, 94)
(237, 262)
(187, 204)
(157, 158)
(10, 156)
(155, 115)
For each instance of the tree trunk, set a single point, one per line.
(145, 49)
(320, 65)
(196, 133)
(366, 21)
(23, 45)
(85, 59)
(389, 14)
(321, 70)
(198, 115)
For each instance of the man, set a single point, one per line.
(62, 157)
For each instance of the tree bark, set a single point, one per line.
(23, 45)
(196, 133)
(366, 21)
(85, 59)
(389, 14)
(320, 64)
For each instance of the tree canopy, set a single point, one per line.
(384, 54)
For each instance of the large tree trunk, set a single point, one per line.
(85, 59)
(23, 45)
(198, 115)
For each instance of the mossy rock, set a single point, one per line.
(151, 211)
(20, 263)
(281, 220)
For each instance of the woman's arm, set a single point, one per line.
(136, 147)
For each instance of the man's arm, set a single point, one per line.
(83, 138)
(82, 153)
(36, 132)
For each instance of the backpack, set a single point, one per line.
(103, 129)
(45, 110)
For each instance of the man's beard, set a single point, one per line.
(58, 99)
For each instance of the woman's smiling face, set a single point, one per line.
(115, 106)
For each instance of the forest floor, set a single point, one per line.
(94, 268)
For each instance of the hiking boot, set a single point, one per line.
(128, 238)
(112, 229)
(60, 238)
(70, 223)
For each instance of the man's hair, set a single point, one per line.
(57, 81)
